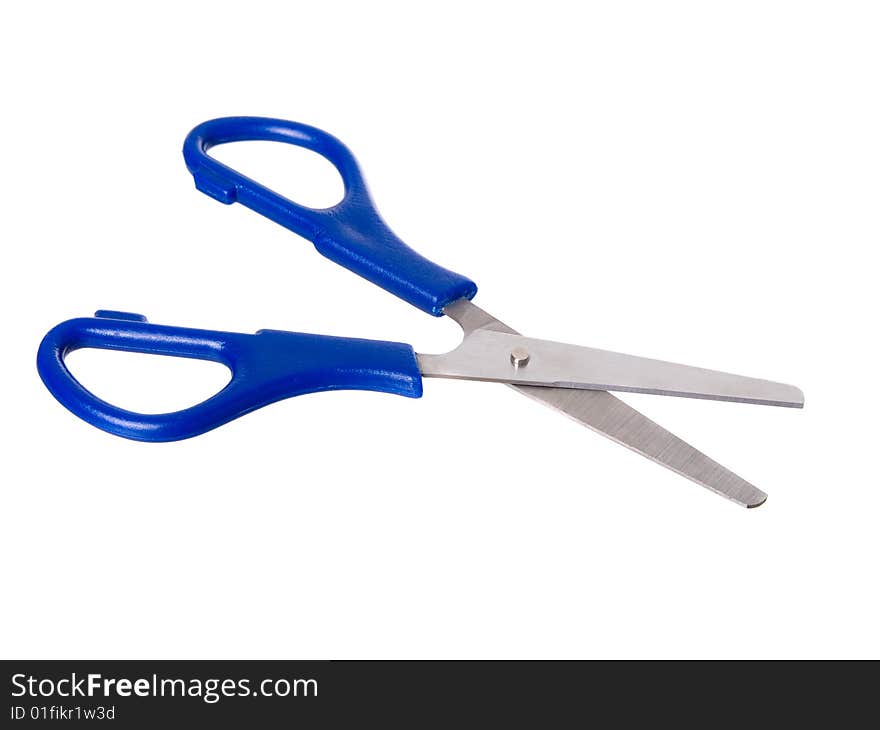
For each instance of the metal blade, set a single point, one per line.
(605, 414)
(515, 360)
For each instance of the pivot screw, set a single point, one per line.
(519, 356)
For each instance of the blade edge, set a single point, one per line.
(609, 416)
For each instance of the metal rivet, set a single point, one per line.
(519, 356)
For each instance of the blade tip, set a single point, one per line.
(757, 502)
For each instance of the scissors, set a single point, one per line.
(271, 365)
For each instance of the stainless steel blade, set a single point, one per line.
(507, 358)
(611, 417)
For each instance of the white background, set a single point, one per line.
(690, 181)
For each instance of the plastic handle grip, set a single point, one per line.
(266, 367)
(351, 233)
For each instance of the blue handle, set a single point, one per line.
(351, 233)
(266, 367)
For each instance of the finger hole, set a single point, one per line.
(148, 384)
(299, 174)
